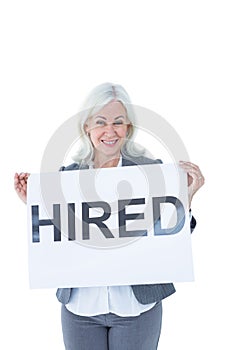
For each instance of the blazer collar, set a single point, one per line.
(128, 162)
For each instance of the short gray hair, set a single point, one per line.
(99, 97)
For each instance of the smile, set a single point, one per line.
(109, 142)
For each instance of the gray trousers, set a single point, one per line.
(112, 332)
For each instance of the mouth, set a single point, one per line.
(110, 142)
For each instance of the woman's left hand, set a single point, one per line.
(195, 178)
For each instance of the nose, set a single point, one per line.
(109, 130)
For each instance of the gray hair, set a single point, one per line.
(99, 97)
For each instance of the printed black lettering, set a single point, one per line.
(157, 201)
(71, 221)
(123, 217)
(98, 221)
(55, 222)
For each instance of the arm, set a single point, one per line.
(195, 181)
(195, 178)
(20, 185)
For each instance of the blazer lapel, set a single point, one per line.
(127, 162)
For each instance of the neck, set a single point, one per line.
(105, 162)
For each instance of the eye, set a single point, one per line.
(100, 122)
(118, 122)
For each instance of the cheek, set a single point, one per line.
(95, 135)
(123, 133)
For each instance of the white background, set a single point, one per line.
(174, 57)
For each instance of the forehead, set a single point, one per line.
(112, 110)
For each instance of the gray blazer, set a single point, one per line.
(146, 293)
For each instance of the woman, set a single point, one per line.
(114, 317)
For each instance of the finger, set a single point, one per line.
(194, 174)
(195, 181)
(16, 180)
(21, 175)
(189, 164)
(22, 182)
(17, 184)
(191, 169)
(19, 190)
(24, 175)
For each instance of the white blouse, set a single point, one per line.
(120, 300)
(91, 301)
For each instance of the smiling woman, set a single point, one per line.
(107, 127)
(110, 317)
(108, 131)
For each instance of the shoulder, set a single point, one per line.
(139, 160)
(73, 166)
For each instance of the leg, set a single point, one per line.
(136, 333)
(83, 333)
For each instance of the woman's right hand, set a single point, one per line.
(20, 183)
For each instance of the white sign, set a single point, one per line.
(109, 226)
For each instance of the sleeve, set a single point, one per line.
(193, 221)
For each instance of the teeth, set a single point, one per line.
(109, 142)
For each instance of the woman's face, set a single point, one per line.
(108, 129)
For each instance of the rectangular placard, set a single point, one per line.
(109, 226)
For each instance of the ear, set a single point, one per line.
(86, 128)
(129, 127)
